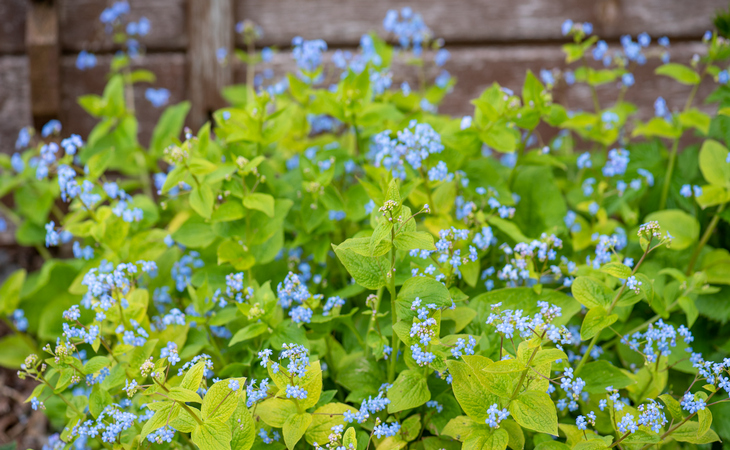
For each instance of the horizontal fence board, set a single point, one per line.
(81, 29)
(14, 100)
(474, 68)
(12, 25)
(169, 68)
(344, 21)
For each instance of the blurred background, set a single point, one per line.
(489, 40)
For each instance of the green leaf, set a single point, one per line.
(200, 166)
(616, 269)
(212, 435)
(382, 230)
(535, 411)
(175, 176)
(596, 320)
(95, 364)
(704, 420)
(201, 200)
(598, 375)
(679, 72)
(98, 400)
(694, 118)
(323, 419)
(551, 445)
(427, 289)
(13, 351)
(673, 407)
(368, 272)
(469, 391)
(275, 411)
(312, 383)
(683, 227)
(294, 428)
(194, 376)
(410, 240)
(349, 439)
(244, 428)
(657, 127)
(712, 163)
(10, 292)
(220, 401)
(250, 331)
(260, 202)
(169, 127)
(409, 391)
(591, 292)
(548, 355)
(688, 433)
(166, 411)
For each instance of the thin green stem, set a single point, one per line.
(705, 237)
(668, 176)
(593, 342)
(391, 289)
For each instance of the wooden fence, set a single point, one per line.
(490, 40)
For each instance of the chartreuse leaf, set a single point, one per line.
(201, 166)
(261, 202)
(715, 169)
(673, 407)
(10, 292)
(684, 228)
(483, 439)
(409, 391)
(312, 383)
(201, 200)
(212, 434)
(469, 392)
(410, 240)
(169, 127)
(616, 269)
(591, 292)
(244, 428)
(194, 376)
(687, 432)
(275, 411)
(294, 428)
(220, 401)
(596, 320)
(324, 418)
(166, 411)
(184, 395)
(349, 439)
(535, 411)
(679, 72)
(551, 445)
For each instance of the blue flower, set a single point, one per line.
(158, 97)
(51, 127)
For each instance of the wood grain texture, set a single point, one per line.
(344, 21)
(82, 30)
(211, 30)
(12, 26)
(14, 100)
(44, 51)
(170, 69)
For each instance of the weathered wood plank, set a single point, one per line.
(14, 100)
(82, 30)
(210, 31)
(170, 69)
(12, 26)
(344, 21)
(43, 49)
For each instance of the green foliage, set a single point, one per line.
(342, 266)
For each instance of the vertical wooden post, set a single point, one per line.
(43, 48)
(210, 25)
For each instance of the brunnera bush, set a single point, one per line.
(330, 262)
